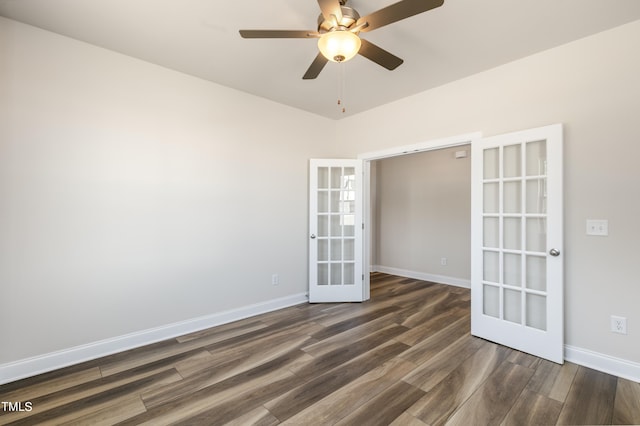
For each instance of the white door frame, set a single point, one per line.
(430, 145)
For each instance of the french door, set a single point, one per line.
(335, 231)
(516, 225)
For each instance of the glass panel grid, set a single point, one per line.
(514, 221)
(336, 197)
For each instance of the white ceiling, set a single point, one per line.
(200, 37)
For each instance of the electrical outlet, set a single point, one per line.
(443, 261)
(275, 279)
(598, 227)
(618, 324)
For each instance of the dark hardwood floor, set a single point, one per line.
(403, 358)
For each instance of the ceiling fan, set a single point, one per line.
(338, 32)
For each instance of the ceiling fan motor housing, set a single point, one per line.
(349, 17)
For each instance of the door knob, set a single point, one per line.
(553, 252)
(313, 236)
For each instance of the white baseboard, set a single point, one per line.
(441, 279)
(607, 364)
(52, 361)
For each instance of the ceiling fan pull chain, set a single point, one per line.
(341, 88)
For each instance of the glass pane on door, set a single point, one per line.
(512, 197)
(323, 250)
(536, 234)
(491, 301)
(512, 266)
(511, 161)
(512, 306)
(537, 273)
(491, 163)
(537, 158)
(349, 274)
(491, 267)
(491, 232)
(537, 311)
(512, 233)
(536, 196)
(323, 177)
(323, 274)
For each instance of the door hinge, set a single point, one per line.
(362, 277)
(363, 226)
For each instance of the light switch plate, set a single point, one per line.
(599, 227)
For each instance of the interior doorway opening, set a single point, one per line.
(372, 260)
(421, 215)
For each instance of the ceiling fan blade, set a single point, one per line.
(278, 34)
(331, 7)
(397, 11)
(316, 66)
(379, 55)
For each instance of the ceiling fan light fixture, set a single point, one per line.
(339, 45)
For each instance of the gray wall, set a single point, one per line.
(423, 213)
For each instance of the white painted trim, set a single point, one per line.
(52, 361)
(367, 229)
(606, 363)
(424, 276)
(429, 145)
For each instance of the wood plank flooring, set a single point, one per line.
(403, 358)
